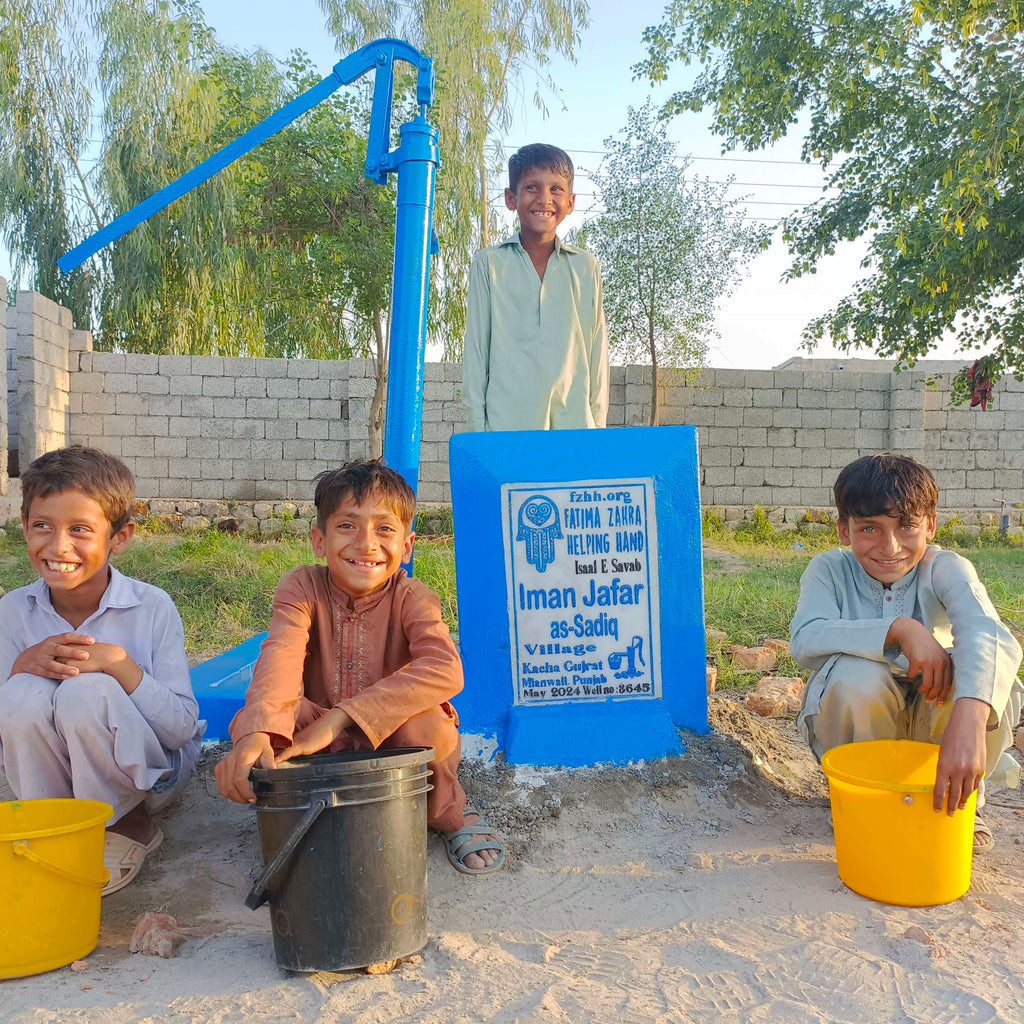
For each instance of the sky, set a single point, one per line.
(760, 322)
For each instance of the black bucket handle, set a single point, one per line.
(260, 892)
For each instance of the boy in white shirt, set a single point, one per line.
(903, 640)
(95, 696)
(536, 347)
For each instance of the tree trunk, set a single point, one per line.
(485, 220)
(380, 366)
(654, 359)
(654, 381)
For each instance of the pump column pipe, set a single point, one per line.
(416, 161)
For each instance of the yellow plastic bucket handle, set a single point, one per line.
(889, 787)
(858, 780)
(22, 849)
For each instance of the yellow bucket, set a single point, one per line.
(891, 845)
(51, 877)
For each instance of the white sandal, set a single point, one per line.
(123, 858)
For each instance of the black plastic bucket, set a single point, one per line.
(345, 852)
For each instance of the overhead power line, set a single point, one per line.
(499, 204)
(689, 156)
(499, 190)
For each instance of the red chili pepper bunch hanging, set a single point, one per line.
(981, 383)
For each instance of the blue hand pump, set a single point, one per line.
(415, 160)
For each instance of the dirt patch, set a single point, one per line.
(743, 759)
(774, 748)
(717, 561)
(698, 887)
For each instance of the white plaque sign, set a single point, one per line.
(582, 569)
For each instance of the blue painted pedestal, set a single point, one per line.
(581, 608)
(220, 684)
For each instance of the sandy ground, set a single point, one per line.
(697, 889)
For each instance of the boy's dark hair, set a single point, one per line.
(539, 154)
(102, 477)
(886, 485)
(359, 480)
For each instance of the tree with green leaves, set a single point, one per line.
(671, 245)
(172, 284)
(318, 232)
(285, 252)
(482, 49)
(915, 108)
(293, 243)
(48, 201)
(105, 101)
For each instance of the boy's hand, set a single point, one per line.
(57, 657)
(232, 771)
(113, 660)
(317, 735)
(926, 656)
(961, 754)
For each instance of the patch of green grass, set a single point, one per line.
(751, 604)
(1002, 571)
(434, 563)
(223, 585)
(758, 528)
(712, 524)
(15, 568)
(757, 601)
(955, 534)
(759, 538)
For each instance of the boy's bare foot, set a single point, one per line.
(983, 838)
(474, 849)
(489, 855)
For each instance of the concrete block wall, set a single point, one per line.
(780, 437)
(10, 342)
(47, 347)
(3, 405)
(213, 427)
(205, 428)
(443, 415)
(11, 405)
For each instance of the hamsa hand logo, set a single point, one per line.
(539, 527)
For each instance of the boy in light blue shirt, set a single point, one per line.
(95, 696)
(536, 348)
(902, 639)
